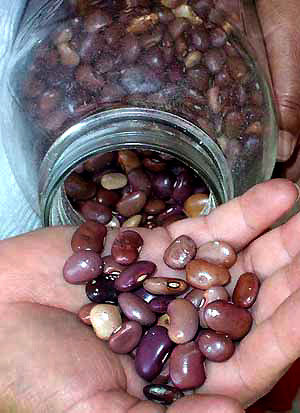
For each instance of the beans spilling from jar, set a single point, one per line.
(171, 326)
(177, 56)
(135, 189)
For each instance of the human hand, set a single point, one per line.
(51, 362)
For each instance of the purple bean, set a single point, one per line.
(131, 48)
(228, 318)
(154, 165)
(126, 246)
(199, 78)
(215, 346)
(94, 211)
(126, 338)
(214, 60)
(183, 322)
(89, 236)
(160, 304)
(134, 275)
(139, 181)
(136, 309)
(152, 352)
(96, 20)
(246, 290)
(78, 188)
(101, 291)
(203, 274)
(182, 187)
(82, 266)
(200, 39)
(162, 393)
(163, 185)
(107, 198)
(111, 267)
(140, 79)
(186, 366)
(180, 252)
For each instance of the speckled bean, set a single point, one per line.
(165, 286)
(136, 309)
(203, 274)
(82, 266)
(246, 290)
(217, 252)
(126, 338)
(152, 352)
(134, 275)
(180, 252)
(184, 321)
(105, 318)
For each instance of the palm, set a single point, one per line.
(62, 366)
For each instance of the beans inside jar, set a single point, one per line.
(171, 325)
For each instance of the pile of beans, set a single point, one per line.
(130, 189)
(170, 326)
(173, 55)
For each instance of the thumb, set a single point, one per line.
(206, 403)
(280, 22)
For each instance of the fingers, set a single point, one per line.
(242, 219)
(281, 27)
(207, 404)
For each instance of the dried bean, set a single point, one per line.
(134, 275)
(96, 21)
(215, 346)
(78, 188)
(105, 319)
(203, 274)
(139, 181)
(160, 304)
(210, 295)
(89, 236)
(214, 60)
(128, 160)
(136, 309)
(154, 165)
(217, 252)
(99, 162)
(186, 366)
(126, 338)
(180, 252)
(163, 185)
(111, 267)
(182, 187)
(184, 321)
(162, 393)
(132, 203)
(155, 206)
(126, 246)
(152, 352)
(94, 211)
(107, 198)
(228, 318)
(165, 286)
(195, 205)
(196, 297)
(82, 266)
(246, 290)
(101, 291)
(113, 181)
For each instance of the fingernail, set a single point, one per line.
(286, 145)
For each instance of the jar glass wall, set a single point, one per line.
(179, 77)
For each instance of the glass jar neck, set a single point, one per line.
(129, 128)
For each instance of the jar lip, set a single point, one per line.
(142, 128)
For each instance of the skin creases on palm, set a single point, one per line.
(52, 362)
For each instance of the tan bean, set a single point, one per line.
(105, 318)
(195, 205)
(166, 286)
(113, 180)
(132, 221)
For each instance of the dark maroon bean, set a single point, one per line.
(181, 47)
(183, 187)
(140, 79)
(82, 266)
(210, 295)
(84, 313)
(214, 60)
(78, 188)
(89, 236)
(154, 165)
(215, 346)
(94, 211)
(200, 39)
(203, 274)
(144, 295)
(237, 68)
(152, 352)
(111, 267)
(101, 291)
(199, 78)
(196, 297)
(223, 79)
(162, 393)
(163, 185)
(139, 181)
(136, 309)
(174, 211)
(54, 122)
(154, 58)
(132, 203)
(131, 48)
(107, 197)
(186, 366)
(160, 304)
(164, 375)
(218, 37)
(96, 20)
(203, 7)
(99, 162)
(134, 275)
(228, 318)
(165, 286)
(246, 290)
(126, 338)
(154, 206)
(183, 321)
(180, 252)
(126, 246)
(217, 252)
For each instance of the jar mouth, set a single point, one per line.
(129, 128)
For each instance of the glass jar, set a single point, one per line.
(180, 77)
